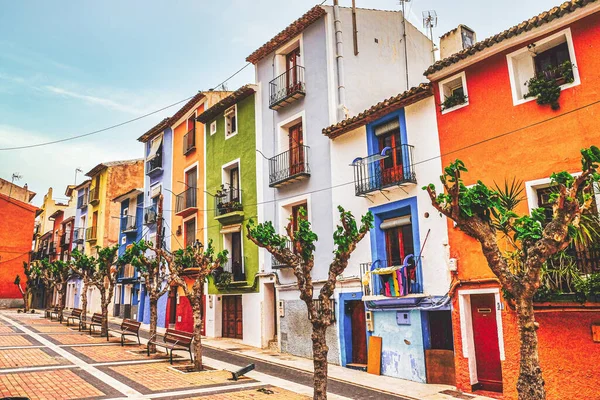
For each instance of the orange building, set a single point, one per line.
(16, 227)
(500, 133)
(186, 224)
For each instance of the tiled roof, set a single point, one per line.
(525, 26)
(380, 109)
(161, 126)
(94, 171)
(227, 102)
(288, 33)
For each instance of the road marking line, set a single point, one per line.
(109, 380)
(34, 369)
(218, 389)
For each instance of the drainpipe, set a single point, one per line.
(339, 56)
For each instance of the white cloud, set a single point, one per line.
(102, 101)
(54, 166)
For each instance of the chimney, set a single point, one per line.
(456, 40)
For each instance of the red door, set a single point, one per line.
(292, 59)
(296, 149)
(485, 336)
(392, 168)
(359, 332)
(232, 317)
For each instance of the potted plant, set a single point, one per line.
(545, 85)
(455, 99)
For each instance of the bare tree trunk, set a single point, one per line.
(84, 301)
(104, 301)
(24, 295)
(153, 319)
(320, 350)
(60, 301)
(530, 385)
(197, 310)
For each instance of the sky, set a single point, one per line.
(72, 67)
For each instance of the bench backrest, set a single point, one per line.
(181, 337)
(76, 312)
(130, 325)
(97, 318)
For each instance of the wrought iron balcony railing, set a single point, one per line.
(227, 201)
(90, 233)
(154, 164)
(128, 223)
(394, 279)
(236, 269)
(276, 264)
(289, 166)
(79, 235)
(52, 248)
(186, 202)
(82, 201)
(65, 239)
(377, 172)
(94, 195)
(287, 87)
(150, 215)
(189, 141)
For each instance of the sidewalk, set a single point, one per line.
(402, 387)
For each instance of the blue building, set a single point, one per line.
(158, 154)
(390, 151)
(126, 300)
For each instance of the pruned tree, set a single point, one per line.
(55, 275)
(153, 268)
(301, 256)
(479, 212)
(84, 266)
(198, 262)
(29, 272)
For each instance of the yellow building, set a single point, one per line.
(108, 180)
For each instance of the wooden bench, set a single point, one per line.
(173, 340)
(75, 316)
(56, 312)
(96, 321)
(129, 327)
(51, 310)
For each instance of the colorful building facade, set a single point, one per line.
(495, 124)
(230, 137)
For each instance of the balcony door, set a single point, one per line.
(292, 60)
(191, 180)
(398, 245)
(392, 166)
(234, 183)
(237, 265)
(296, 216)
(296, 145)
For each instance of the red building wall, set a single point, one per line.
(16, 231)
(536, 141)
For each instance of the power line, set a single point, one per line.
(119, 124)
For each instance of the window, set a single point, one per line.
(190, 232)
(297, 216)
(234, 183)
(543, 197)
(453, 93)
(213, 127)
(388, 136)
(230, 121)
(398, 240)
(541, 57)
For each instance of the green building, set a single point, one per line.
(231, 201)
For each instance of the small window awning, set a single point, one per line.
(387, 127)
(395, 222)
(231, 229)
(154, 149)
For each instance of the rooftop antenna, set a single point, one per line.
(430, 21)
(76, 171)
(402, 2)
(15, 177)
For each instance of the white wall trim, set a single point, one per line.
(466, 327)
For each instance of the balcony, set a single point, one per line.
(90, 234)
(189, 141)
(276, 264)
(289, 166)
(150, 215)
(397, 279)
(186, 203)
(82, 201)
(65, 239)
(79, 235)
(94, 195)
(377, 172)
(287, 88)
(236, 269)
(154, 166)
(128, 224)
(228, 206)
(52, 248)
